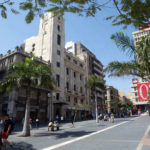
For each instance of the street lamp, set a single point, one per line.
(51, 96)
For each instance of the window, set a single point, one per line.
(58, 64)
(33, 47)
(111, 97)
(81, 65)
(58, 39)
(81, 101)
(74, 74)
(74, 87)
(75, 61)
(11, 60)
(111, 92)
(68, 57)
(136, 94)
(75, 100)
(67, 71)
(68, 98)
(136, 99)
(58, 52)
(67, 85)
(3, 63)
(135, 88)
(80, 77)
(58, 27)
(57, 96)
(58, 80)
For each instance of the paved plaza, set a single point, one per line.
(124, 134)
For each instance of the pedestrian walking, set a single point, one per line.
(23, 121)
(1, 129)
(62, 118)
(57, 117)
(37, 122)
(112, 117)
(30, 122)
(72, 121)
(8, 128)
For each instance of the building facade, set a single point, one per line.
(137, 35)
(70, 69)
(112, 96)
(75, 92)
(143, 32)
(134, 95)
(14, 102)
(94, 66)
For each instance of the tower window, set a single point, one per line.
(58, 52)
(58, 27)
(67, 85)
(58, 39)
(74, 74)
(58, 80)
(67, 71)
(58, 64)
(74, 87)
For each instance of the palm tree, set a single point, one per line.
(139, 65)
(92, 83)
(28, 74)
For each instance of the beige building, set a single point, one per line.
(125, 98)
(94, 66)
(112, 96)
(75, 92)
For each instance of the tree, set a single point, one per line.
(139, 65)
(136, 12)
(91, 84)
(28, 74)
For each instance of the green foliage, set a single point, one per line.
(117, 104)
(129, 104)
(30, 16)
(139, 64)
(3, 13)
(28, 73)
(135, 12)
(124, 42)
(94, 82)
(120, 104)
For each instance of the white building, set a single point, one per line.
(137, 35)
(49, 45)
(143, 32)
(135, 97)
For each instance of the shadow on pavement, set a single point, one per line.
(64, 134)
(20, 146)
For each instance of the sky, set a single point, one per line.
(93, 32)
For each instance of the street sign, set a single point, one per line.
(144, 91)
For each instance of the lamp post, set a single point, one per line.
(51, 96)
